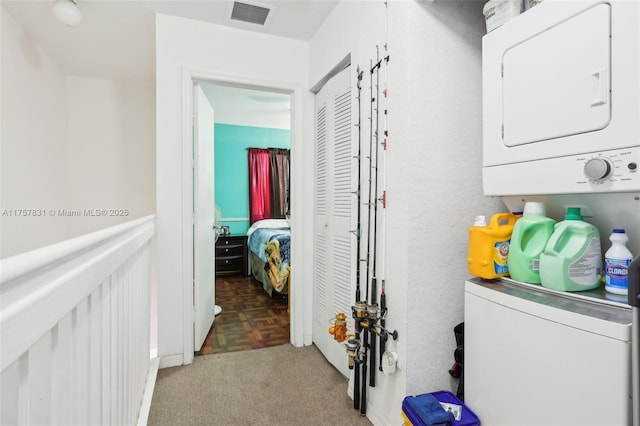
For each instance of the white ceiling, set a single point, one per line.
(116, 39)
(248, 107)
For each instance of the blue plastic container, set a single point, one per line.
(468, 417)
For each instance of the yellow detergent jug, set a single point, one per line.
(489, 245)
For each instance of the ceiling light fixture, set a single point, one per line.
(67, 12)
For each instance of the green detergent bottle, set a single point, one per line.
(528, 241)
(572, 259)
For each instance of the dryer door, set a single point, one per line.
(557, 83)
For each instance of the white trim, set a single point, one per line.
(15, 266)
(187, 215)
(344, 63)
(145, 406)
(298, 315)
(234, 219)
(171, 361)
(300, 247)
(54, 284)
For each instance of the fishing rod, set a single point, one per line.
(355, 344)
(366, 323)
(370, 176)
(383, 297)
(356, 347)
(357, 350)
(373, 311)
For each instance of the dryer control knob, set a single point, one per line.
(597, 168)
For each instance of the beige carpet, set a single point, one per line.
(282, 385)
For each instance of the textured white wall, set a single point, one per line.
(434, 160)
(445, 136)
(184, 45)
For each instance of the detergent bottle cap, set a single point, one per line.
(480, 221)
(534, 208)
(618, 231)
(573, 213)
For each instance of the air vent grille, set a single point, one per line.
(249, 13)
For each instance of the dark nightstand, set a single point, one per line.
(231, 254)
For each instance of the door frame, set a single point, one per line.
(204, 267)
(297, 294)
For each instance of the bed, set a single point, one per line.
(269, 242)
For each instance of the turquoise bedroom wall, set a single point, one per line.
(232, 169)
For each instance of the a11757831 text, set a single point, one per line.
(100, 212)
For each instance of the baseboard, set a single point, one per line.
(171, 361)
(377, 421)
(308, 340)
(145, 406)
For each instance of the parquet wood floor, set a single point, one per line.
(250, 319)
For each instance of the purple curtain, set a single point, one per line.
(279, 182)
(259, 185)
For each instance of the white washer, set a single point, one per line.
(535, 356)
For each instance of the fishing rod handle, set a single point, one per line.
(356, 387)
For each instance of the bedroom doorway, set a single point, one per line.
(245, 117)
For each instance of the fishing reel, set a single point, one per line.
(373, 314)
(339, 327)
(381, 331)
(364, 315)
(359, 313)
(353, 351)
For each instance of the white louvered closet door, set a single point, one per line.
(334, 243)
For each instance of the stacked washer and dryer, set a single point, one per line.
(561, 106)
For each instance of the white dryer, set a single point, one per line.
(561, 99)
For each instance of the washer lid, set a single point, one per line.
(593, 311)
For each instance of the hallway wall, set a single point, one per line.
(33, 147)
(69, 144)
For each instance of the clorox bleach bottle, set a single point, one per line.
(489, 245)
(572, 259)
(616, 263)
(528, 241)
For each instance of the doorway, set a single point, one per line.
(245, 117)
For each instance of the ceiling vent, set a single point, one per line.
(252, 13)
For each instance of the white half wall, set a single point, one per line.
(187, 47)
